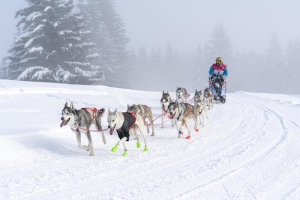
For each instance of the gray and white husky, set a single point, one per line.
(145, 112)
(200, 111)
(80, 121)
(165, 101)
(208, 97)
(181, 94)
(126, 124)
(182, 112)
(198, 96)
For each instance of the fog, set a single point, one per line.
(262, 34)
(186, 24)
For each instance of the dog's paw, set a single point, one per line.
(115, 148)
(92, 154)
(188, 137)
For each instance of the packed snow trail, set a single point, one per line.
(248, 149)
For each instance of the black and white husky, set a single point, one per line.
(182, 112)
(145, 112)
(198, 96)
(208, 97)
(80, 121)
(200, 111)
(181, 94)
(124, 122)
(165, 101)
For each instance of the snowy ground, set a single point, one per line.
(249, 148)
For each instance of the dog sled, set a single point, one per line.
(218, 86)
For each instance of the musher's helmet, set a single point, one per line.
(219, 61)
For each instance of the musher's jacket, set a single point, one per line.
(218, 70)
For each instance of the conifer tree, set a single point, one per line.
(107, 32)
(51, 45)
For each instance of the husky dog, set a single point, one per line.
(124, 122)
(200, 111)
(182, 112)
(181, 94)
(80, 122)
(198, 96)
(145, 112)
(208, 97)
(165, 101)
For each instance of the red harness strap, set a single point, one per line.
(134, 116)
(93, 112)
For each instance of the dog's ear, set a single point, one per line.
(66, 104)
(72, 106)
(127, 106)
(115, 111)
(109, 112)
(196, 91)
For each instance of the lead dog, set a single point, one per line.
(80, 121)
(181, 94)
(124, 122)
(165, 101)
(182, 112)
(208, 97)
(145, 112)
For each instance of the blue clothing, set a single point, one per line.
(212, 71)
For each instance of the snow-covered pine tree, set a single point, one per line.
(108, 33)
(51, 46)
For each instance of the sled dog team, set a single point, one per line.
(134, 119)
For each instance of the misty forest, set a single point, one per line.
(86, 43)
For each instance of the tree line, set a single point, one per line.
(58, 41)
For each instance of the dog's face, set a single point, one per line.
(133, 108)
(112, 120)
(198, 95)
(165, 101)
(67, 114)
(179, 92)
(207, 92)
(173, 109)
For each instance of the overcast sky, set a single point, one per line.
(189, 23)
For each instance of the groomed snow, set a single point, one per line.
(249, 148)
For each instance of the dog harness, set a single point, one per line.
(134, 116)
(93, 112)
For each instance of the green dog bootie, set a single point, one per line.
(115, 148)
(125, 154)
(138, 144)
(146, 149)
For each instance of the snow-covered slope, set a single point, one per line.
(249, 148)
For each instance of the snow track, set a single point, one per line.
(248, 149)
